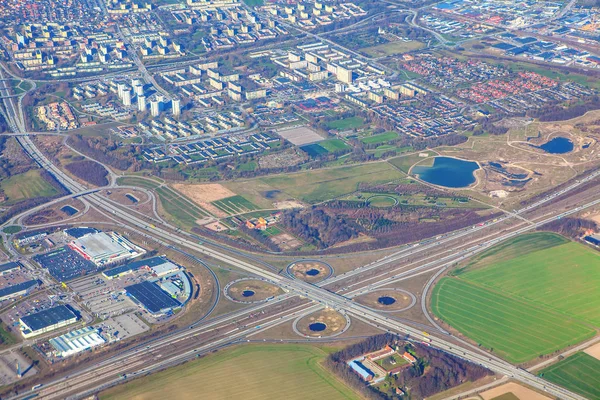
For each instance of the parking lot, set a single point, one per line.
(121, 327)
(106, 297)
(29, 306)
(65, 264)
(14, 278)
(8, 367)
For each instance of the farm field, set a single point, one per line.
(26, 186)
(183, 212)
(513, 329)
(540, 290)
(549, 277)
(321, 185)
(579, 373)
(292, 372)
(234, 205)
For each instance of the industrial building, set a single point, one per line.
(154, 299)
(128, 268)
(76, 341)
(46, 321)
(9, 267)
(20, 289)
(104, 248)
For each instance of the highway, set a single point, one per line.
(326, 298)
(318, 295)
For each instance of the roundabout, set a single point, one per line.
(311, 271)
(324, 323)
(250, 290)
(387, 300)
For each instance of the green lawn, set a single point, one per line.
(529, 296)
(321, 185)
(381, 138)
(250, 372)
(579, 373)
(404, 163)
(333, 145)
(26, 186)
(12, 229)
(346, 123)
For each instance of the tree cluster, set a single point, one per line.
(435, 371)
(570, 227)
(89, 171)
(559, 113)
(317, 227)
(108, 151)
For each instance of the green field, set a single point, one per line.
(404, 163)
(139, 182)
(381, 138)
(333, 145)
(579, 373)
(398, 47)
(183, 212)
(26, 186)
(234, 205)
(346, 123)
(321, 185)
(526, 297)
(251, 372)
(386, 363)
(12, 229)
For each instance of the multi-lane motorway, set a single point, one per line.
(80, 382)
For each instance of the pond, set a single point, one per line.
(386, 300)
(448, 172)
(312, 272)
(317, 327)
(248, 293)
(558, 145)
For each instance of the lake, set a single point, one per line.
(448, 172)
(558, 145)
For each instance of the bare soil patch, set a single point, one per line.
(593, 351)
(519, 391)
(286, 242)
(204, 193)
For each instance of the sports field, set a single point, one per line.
(26, 186)
(380, 138)
(346, 123)
(523, 301)
(291, 372)
(579, 373)
(321, 185)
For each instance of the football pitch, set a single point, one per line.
(521, 301)
(579, 373)
(291, 372)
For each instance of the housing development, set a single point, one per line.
(304, 199)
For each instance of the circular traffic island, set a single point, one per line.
(390, 300)
(322, 324)
(311, 271)
(250, 291)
